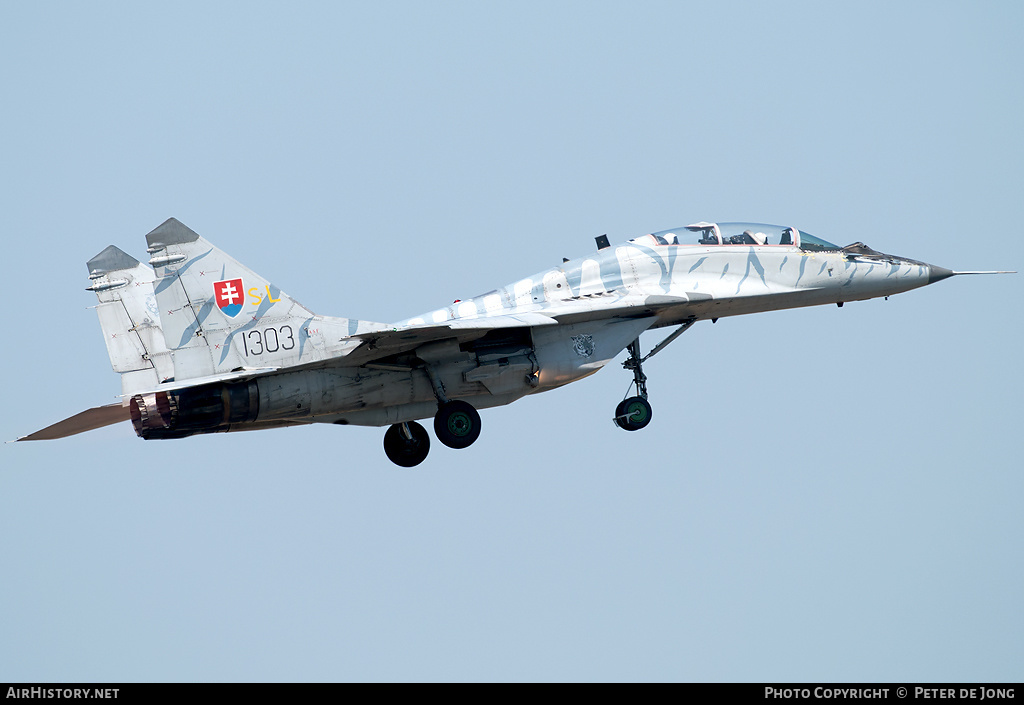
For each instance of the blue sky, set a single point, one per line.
(823, 494)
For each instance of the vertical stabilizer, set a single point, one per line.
(129, 319)
(219, 316)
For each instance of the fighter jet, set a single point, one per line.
(205, 345)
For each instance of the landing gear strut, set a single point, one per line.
(633, 413)
(406, 444)
(456, 423)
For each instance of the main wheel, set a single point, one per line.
(457, 424)
(633, 414)
(407, 452)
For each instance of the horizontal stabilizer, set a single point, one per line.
(89, 420)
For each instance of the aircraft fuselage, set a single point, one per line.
(204, 344)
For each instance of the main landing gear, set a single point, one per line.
(456, 425)
(634, 413)
(406, 444)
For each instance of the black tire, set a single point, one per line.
(404, 452)
(633, 414)
(457, 424)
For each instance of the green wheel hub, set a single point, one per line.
(637, 412)
(460, 424)
(633, 414)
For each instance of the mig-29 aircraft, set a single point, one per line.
(204, 344)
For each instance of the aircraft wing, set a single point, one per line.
(94, 418)
(382, 343)
(631, 306)
(512, 320)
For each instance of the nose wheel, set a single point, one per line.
(633, 414)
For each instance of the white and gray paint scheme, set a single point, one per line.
(203, 344)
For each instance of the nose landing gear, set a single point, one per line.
(634, 413)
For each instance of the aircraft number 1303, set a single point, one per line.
(269, 340)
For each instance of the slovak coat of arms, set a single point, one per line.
(228, 295)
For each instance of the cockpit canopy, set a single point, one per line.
(745, 234)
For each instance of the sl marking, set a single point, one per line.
(256, 298)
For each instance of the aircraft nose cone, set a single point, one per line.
(937, 274)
